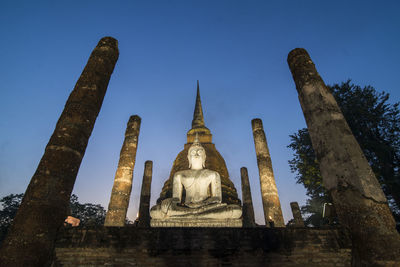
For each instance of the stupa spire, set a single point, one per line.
(198, 127)
(198, 119)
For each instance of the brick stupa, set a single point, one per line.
(214, 160)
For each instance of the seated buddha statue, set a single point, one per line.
(202, 198)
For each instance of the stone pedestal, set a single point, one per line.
(269, 192)
(144, 206)
(247, 208)
(122, 187)
(197, 222)
(358, 198)
(30, 240)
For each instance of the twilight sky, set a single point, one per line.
(237, 49)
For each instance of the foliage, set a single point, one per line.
(375, 124)
(10, 206)
(89, 214)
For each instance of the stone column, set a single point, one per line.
(298, 220)
(359, 201)
(30, 240)
(144, 207)
(269, 192)
(121, 191)
(248, 210)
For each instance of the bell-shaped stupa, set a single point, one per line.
(214, 160)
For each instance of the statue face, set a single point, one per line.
(196, 156)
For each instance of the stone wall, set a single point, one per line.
(133, 246)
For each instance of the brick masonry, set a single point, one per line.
(133, 246)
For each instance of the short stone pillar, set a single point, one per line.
(357, 196)
(269, 193)
(30, 240)
(247, 209)
(297, 219)
(144, 206)
(121, 191)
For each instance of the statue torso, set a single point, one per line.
(197, 184)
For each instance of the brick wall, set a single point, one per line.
(132, 246)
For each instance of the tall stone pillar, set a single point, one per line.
(359, 201)
(298, 220)
(269, 192)
(144, 206)
(248, 210)
(121, 191)
(30, 240)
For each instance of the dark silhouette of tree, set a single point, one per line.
(89, 214)
(375, 124)
(10, 206)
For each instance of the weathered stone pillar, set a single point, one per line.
(248, 210)
(358, 198)
(297, 219)
(269, 192)
(144, 206)
(121, 191)
(31, 238)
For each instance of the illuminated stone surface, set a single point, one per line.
(74, 222)
(357, 196)
(201, 204)
(30, 241)
(269, 192)
(122, 187)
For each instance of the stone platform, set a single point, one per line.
(191, 222)
(133, 246)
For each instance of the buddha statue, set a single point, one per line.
(196, 194)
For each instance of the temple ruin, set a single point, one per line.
(199, 219)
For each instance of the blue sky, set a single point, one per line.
(237, 49)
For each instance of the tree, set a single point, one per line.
(89, 214)
(10, 206)
(93, 214)
(375, 124)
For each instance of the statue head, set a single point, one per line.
(196, 155)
